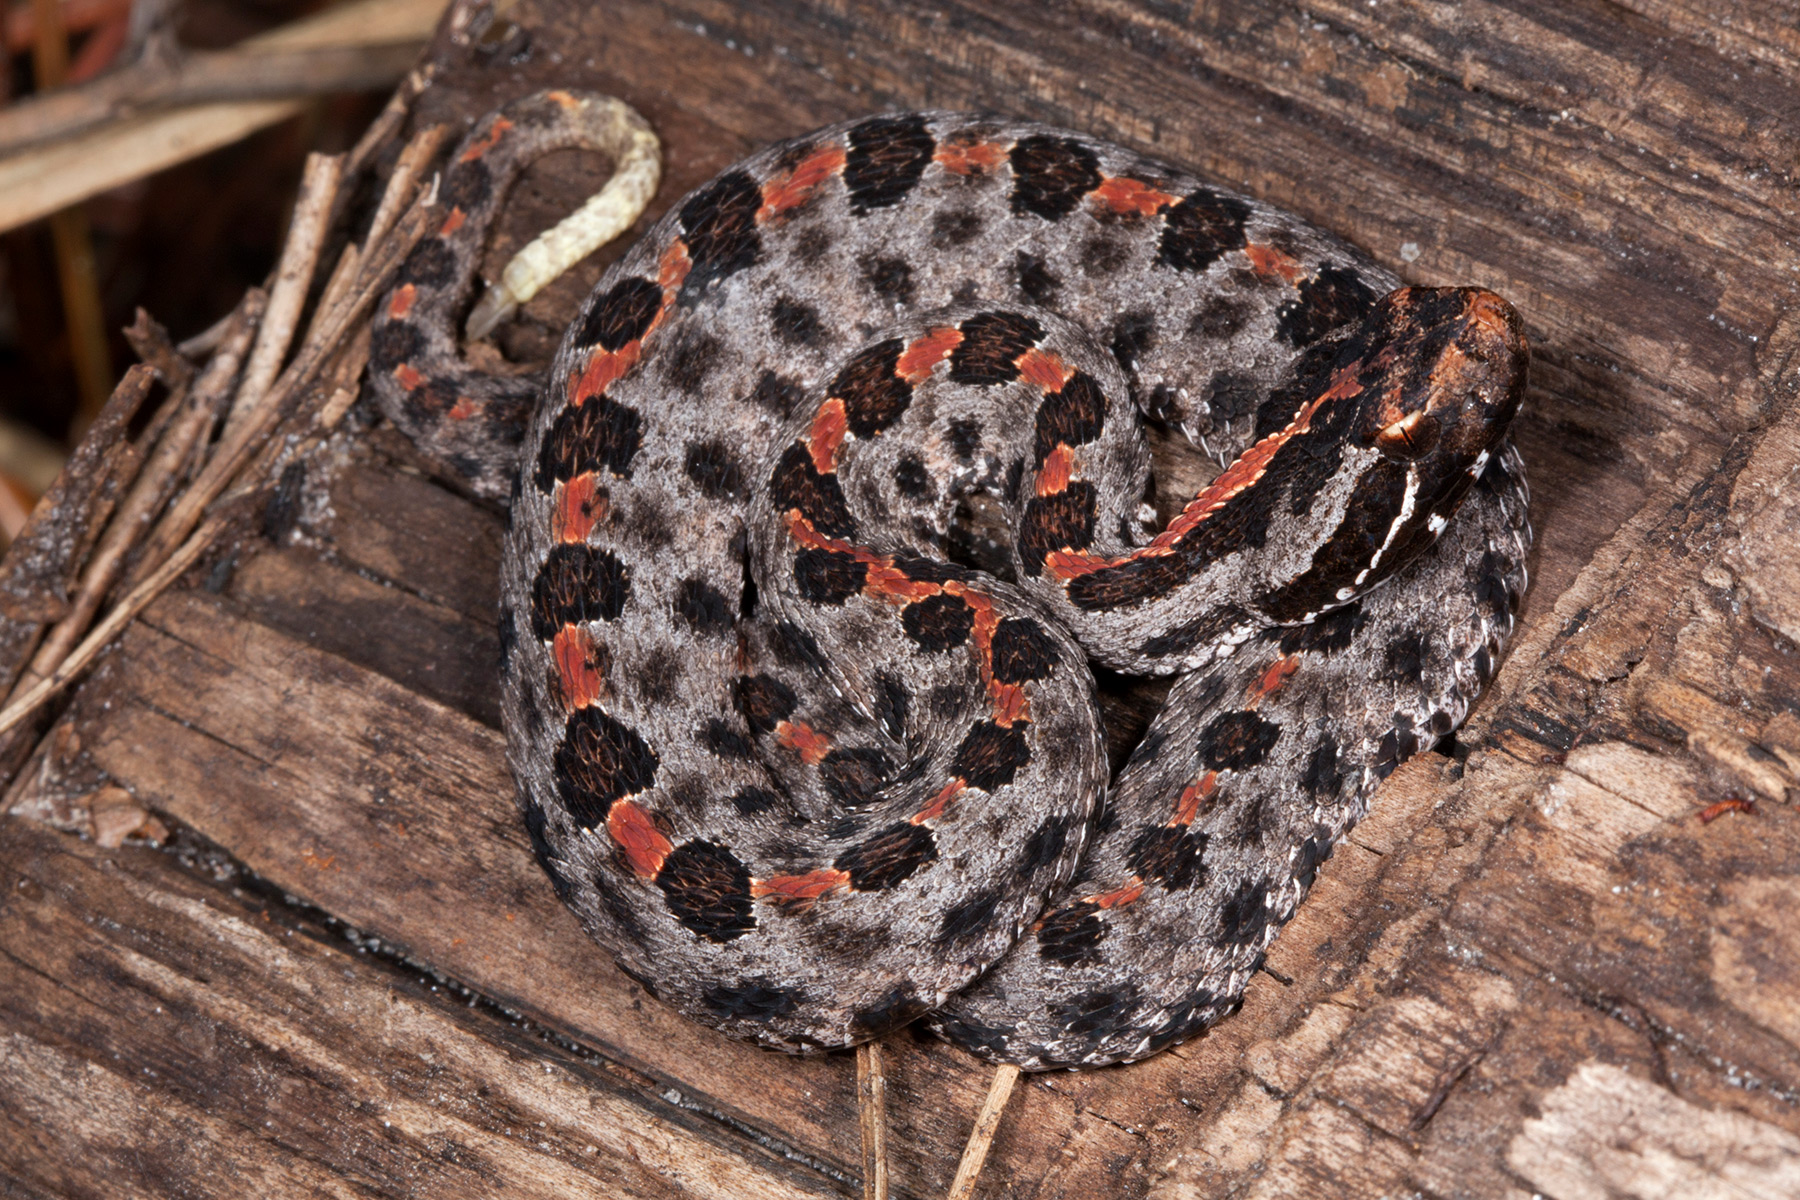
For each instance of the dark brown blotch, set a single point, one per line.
(796, 485)
(718, 224)
(992, 754)
(1023, 651)
(599, 760)
(991, 345)
(1237, 741)
(1073, 416)
(577, 584)
(874, 397)
(888, 858)
(1061, 521)
(622, 315)
(939, 622)
(884, 161)
(1071, 936)
(708, 890)
(1169, 855)
(828, 576)
(1200, 229)
(1051, 175)
(599, 435)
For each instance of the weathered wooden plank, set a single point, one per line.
(395, 815)
(194, 1041)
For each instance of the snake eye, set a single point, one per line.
(1411, 437)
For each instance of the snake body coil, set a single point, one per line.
(806, 777)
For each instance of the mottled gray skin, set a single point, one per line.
(733, 372)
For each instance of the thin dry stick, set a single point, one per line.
(175, 450)
(243, 437)
(986, 1122)
(871, 1108)
(412, 163)
(393, 114)
(204, 77)
(106, 630)
(299, 259)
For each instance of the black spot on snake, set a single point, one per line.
(991, 755)
(703, 606)
(765, 701)
(888, 858)
(965, 438)
(760, 1000)
(1051, 175)
(953, 227)
(795, 323)
(854, 776)
(1405, 659)
(1169, 855)
(884, 160)
(750, 800)
(577, 584)
(391, 344)
(1235, 741)
(1037, 282)
(874, 397)
(938, 622)
(714, 469)
(1245, 914)
(1061, 521)
(690, 358)
(828, 576)
(467, 187)
(599, 435)
(719, 225)
(991, 343)
(622, 315)
(1333, 297)
(1133, 334)
(1044, 846)
(1071, 936)
(777, 393)
(708, 890)
(969, 919)
(1201, 229)
(1221, 317)
(1022, 651)
(893, 1010)
(912, 480)
(432, 264)
(598, 761)
(1073, 416)
(889, 278)
(718, 736)
(1095, 1013)
(795, 647)
(1322, 778)
(797, 486)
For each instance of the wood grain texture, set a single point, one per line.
(1534, 968)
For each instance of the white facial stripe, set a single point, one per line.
(1479, 465)
(1406, 509)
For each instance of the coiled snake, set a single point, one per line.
(807, 777)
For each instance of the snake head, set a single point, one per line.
(1441, 371)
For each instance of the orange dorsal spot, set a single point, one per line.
(1188, 807)
(795, 188)
(603, 367)
(409, 378)
(563, 99)
(635, 832)
(494, 134)
(1123, 195)
(939, 803)
(1272, 679)
(1053, 476)
(827, 435)
(672, 270)
(581, 504)
(882, 578)
(401, 302)
(927, 352)
(802, 889)
(1008, 703)
(578, 667)
(453, 222)
(1044, 370)
(804, 740)
(1270, 263)
(970, 158)
(464, 408)
(1119, 898)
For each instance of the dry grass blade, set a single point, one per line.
(982, 1137)
(871, 1108)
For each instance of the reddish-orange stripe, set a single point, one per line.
(577, 667)
(1053, 476)
(453, 222)
(803, 888)
(804, 740)
(927, 352)
(1272, 679)
(1044, 369)
(477, 149)
(401, 302)
(1115, 899)
(635, 832)
(408, 377)
(967, 158)
(939, 802)
(580, 505)
(1132, 196)
(1269, 262)
(1188, 807)
(827, 435)
(797, 186)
